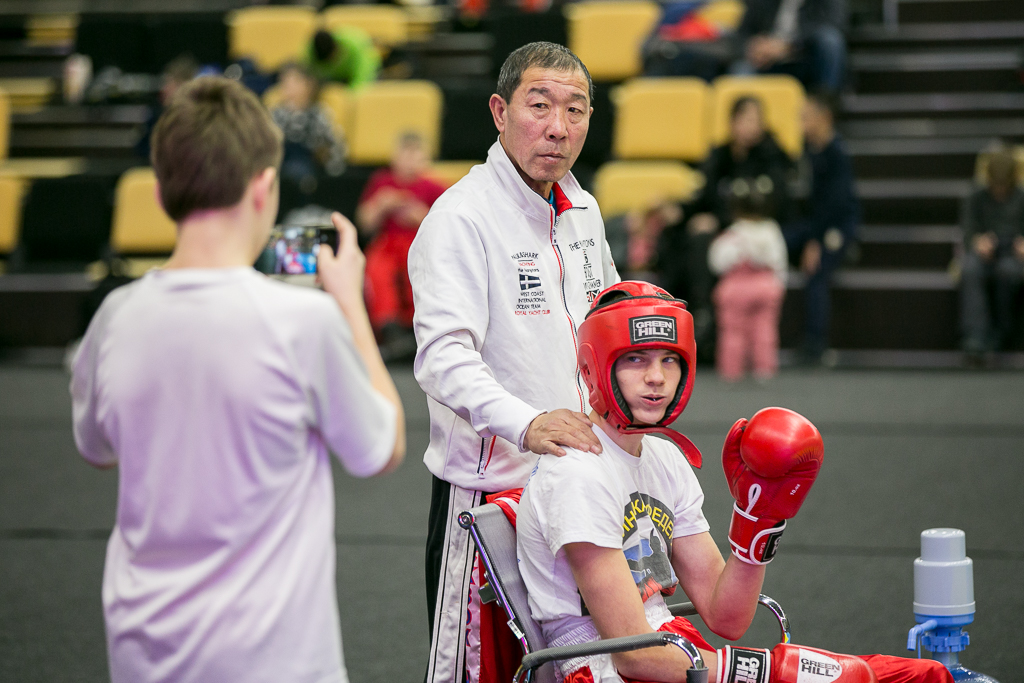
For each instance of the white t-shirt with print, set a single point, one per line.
(218, 393)
(612, 500)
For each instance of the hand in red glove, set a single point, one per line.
(770, 462)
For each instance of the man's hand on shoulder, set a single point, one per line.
(550, 431)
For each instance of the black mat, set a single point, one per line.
(904, 452)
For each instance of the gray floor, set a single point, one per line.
(905, 451)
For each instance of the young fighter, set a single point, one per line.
(219, 393)
(602, 538)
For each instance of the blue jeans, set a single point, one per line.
(984, 325)
(817, 300)
(821, 64)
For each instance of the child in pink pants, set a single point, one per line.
(750, 259)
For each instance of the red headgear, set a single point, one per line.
(636, 315)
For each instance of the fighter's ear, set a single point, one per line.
(499, 110)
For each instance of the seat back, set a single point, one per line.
(724, 14)
(5, 122)
(11, 192)
(608, 35)
(387, 25)
(140, 224)
(782, 98)
(383, 110)
(447, 173)
(270, 36)
(622, 186)
(661, 118)
(495, 540)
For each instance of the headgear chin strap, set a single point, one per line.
(637, 315)
(688, 448)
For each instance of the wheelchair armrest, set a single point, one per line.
(682, 609)
(685, 609)
(698, 673)
(776, 609)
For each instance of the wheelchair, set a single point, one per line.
(495, 540)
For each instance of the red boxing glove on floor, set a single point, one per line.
(770, 462)
(790, 664)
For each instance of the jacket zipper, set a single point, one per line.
(565, 302)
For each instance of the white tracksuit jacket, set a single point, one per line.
(500, 284)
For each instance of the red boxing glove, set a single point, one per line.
(770, 462)
(790, 664)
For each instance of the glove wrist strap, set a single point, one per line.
(754, 540)
(744, 665)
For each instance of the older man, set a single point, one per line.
(503, 270)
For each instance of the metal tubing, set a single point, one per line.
(777, 610)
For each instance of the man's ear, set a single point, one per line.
(499, 110)
(262, 187)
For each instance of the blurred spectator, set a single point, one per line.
(818, 239)
(178, 71)
(633, 238)
(803, 38)
(347, 55)
(750, 259)
(392, 206)
(750, 152)
(993, 224)
(685, 43)
(310, 144)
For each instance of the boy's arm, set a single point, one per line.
(724, 592)
(89, 438)
(342, 278)
(611, 596)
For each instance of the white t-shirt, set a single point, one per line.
(219, 392)
(613, 500)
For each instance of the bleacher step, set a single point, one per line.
(939, 104)
(96, 131)
(920, 127)
(916, 157)
(958, 33)
(912, 201)
(907, 246)
(966, 11)
(927, 70)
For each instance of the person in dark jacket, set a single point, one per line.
(993, 224)
(803, 38)
(819, 238)
(751, 152)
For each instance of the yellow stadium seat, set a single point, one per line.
(622, 186)
(387, 25)
(661, 118)
(335, 98)
(450, 172)
(382, 111)
(781, 96)
(270, 36)
(11, 192)
(5, 122)
(725, 14)
(607, 36)
(140, 224)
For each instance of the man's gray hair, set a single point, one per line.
(543, 56)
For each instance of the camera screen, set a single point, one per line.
(292, 250)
